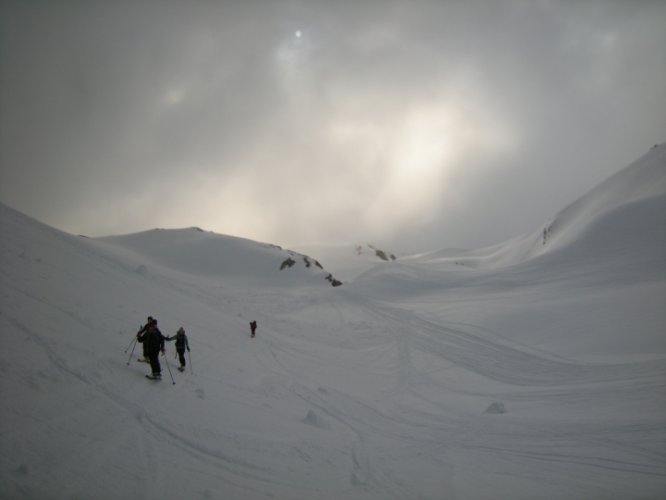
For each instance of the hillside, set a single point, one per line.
(587, 278)
(591, 224)
(204, 254)
(535, 369)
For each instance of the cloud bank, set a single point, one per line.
(416, 124)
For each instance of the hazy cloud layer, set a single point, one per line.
(415, 124)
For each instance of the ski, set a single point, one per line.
(150, 377)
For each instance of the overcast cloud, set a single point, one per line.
(412, 124)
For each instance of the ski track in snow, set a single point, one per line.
(513, 365)
(516, 375)
(525, 376)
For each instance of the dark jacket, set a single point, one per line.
(181, 341)
(152, 339)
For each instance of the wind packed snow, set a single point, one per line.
(535, 369)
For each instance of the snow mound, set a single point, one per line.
(496, 408)
(315, 420)
(207, 254)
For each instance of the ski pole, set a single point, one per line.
(190, 358)
(166, 360)
(131, 342)
(130, 356)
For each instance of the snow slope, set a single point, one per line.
(640, 186)
(524, 371)
(206, 254)
(587, 277)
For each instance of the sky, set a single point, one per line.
(414, 125)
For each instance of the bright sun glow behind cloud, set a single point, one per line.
(423, 150)
(405, 159)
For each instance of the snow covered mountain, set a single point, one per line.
(534, 369)
(622, 211)
(598, 259)
(206, 254)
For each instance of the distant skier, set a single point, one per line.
(181, 345)
(253, 328)
(143, 330)
(153, 342)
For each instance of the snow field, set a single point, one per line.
(530, 370)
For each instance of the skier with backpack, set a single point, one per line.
(141, 331)
(181, 345)
(153, 343)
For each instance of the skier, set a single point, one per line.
(153, 342)
(181, 345)
(142, 330)
(253, 328)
